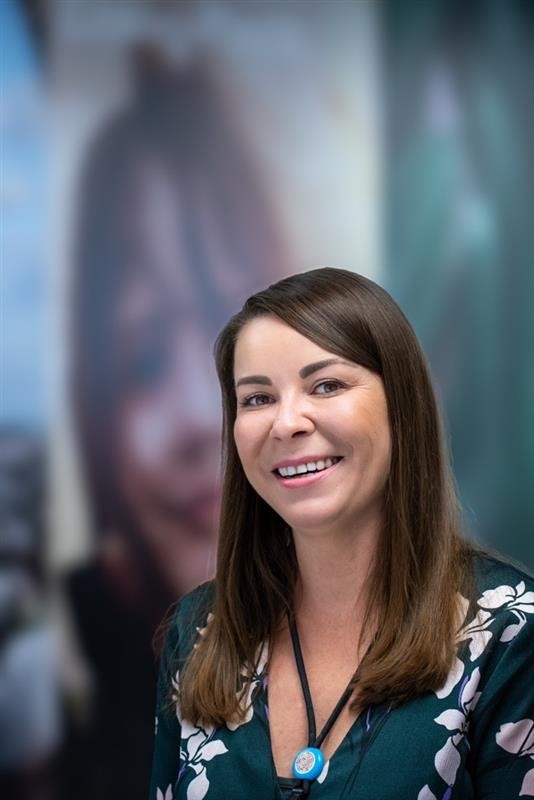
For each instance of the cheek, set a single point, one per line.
(242, 440)
(385, 455)
(382, 443)
(384, 429)
(248, 441)
(369, 432)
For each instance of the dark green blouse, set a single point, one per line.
(474, 738)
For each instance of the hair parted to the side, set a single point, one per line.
(422, 559)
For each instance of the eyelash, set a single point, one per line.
(247, 401)
(337, 384)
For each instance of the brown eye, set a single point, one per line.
(256, 400)
(327, 387)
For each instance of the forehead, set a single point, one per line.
(272, 344)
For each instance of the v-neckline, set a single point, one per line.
(363, 720)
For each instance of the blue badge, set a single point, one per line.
(308, 763)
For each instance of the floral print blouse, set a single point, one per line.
(474, 738)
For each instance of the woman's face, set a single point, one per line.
(311, 430)
(168, 418)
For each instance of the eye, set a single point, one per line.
(254, 400)
(327, 387)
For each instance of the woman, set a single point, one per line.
(174, 231)
(352, 643)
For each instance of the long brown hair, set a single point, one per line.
(422, 560)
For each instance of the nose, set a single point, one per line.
(291, 420)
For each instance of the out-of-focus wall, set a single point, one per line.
(460, 239)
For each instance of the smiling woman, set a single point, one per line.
(310, 408)
(352, 641)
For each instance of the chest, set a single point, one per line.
(288, 712)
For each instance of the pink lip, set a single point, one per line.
(294, 462)
(307, 479)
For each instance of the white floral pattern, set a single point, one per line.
(199, 744)
(448, 759)
(463, 714)
(476, 631)
(519, 602)
(426, 794)
(518, 738)
(516, 600)
(166, 796)
(197, 749)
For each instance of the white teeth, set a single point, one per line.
(311, 466)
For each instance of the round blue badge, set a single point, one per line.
(308, 763)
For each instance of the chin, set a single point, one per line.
(312, 523)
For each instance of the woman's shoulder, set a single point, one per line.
(197, 601)
(495, 573)
(191, 614)
(503, 609)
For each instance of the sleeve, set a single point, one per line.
(166, 757)
(502, 733)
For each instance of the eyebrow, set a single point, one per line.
(263, 380)
(317, 365)
(305, 372)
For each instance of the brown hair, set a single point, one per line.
(422, 559)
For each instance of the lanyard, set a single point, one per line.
(309, 762)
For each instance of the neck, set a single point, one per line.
(334, 569)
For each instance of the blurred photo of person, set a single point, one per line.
(174, 230)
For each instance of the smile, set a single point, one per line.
(306, 467)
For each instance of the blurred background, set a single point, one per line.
(162, 160)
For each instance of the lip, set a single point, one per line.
(294, 462)
(307, 479)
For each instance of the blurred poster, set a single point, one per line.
(460, 243)
(195, 147)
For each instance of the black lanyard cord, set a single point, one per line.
(313, 739)
(312, 731)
